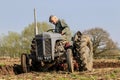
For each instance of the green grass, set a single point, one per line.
(2, 64)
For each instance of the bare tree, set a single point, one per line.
(101, 40)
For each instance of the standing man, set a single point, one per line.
(61, 27)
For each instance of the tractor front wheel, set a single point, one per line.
(25, 63)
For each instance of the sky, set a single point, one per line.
(81, 15)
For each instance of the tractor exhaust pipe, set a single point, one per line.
(35, 23)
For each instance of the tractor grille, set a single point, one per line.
(40, 47)
(44, 47)
(48, 49)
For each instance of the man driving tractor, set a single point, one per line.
(82, 44)
(61, 27)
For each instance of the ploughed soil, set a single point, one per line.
(106, 63)
(104, 69)
(12, 66)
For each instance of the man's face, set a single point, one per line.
(54, 20)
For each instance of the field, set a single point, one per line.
(104, 69)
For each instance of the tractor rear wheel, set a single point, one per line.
(70, 60)
(83, 52)
(85, 59)
(25, 63)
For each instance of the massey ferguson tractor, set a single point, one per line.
(48, 50)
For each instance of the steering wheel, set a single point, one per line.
(51, 30)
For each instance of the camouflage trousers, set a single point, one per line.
(67, 40)
(67, 34)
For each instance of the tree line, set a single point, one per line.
(15, 43)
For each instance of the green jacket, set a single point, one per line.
(62, 27)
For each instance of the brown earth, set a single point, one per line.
(12, 66)
(104, 69)
(106, 63)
